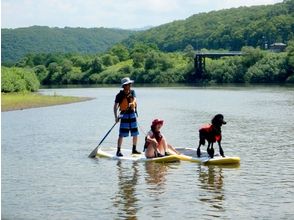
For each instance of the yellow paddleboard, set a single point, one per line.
(189, 154)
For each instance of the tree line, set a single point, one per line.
(147, 64)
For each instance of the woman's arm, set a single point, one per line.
(151, 140)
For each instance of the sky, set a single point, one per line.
(127, 14)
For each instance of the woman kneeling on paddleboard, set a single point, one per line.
(155, 143)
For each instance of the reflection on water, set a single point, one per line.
(156, 182)
(125, 200)
(52, 144)
(156, 176)
(211, 180)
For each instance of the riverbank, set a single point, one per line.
(20, 101)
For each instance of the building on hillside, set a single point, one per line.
(277, 47)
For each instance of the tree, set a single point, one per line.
(41, 72)
(120, 51)
(17, 79)
(138, 59)
(109, 60)
(151, 61)
(290, 56)
(67, 66)
(96, 65)
(54, 74)
(251, 55)
(189, 52)
(270, 69)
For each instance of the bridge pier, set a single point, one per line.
(199, 66)
(199, 60)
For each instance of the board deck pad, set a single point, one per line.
(189, 154)
(127, 155)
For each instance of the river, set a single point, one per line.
(46, 173)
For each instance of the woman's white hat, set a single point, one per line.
(126, 81)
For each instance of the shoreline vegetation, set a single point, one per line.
(162, 55)
(165, 54)
(20, 101)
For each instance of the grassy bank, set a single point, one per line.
(19, 101)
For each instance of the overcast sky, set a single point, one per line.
(109, 13)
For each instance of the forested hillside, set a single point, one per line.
(39, 39)
(225, 29)
(147, 64)
(164, 54)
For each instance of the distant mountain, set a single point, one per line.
(40, 39)
(225, 29)
(228, 29)
(145, 28)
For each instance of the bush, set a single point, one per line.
(290, 57)
(75, 76)
(18, 80)
(290, 79)
(251, 56)
(270, 69)
(222, 71)
(41, 72)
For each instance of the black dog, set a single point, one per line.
(212, 133)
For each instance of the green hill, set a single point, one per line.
(228, 29)
(40, 39)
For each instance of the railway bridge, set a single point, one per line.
(199, 60)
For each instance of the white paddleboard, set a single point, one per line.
(127, 155)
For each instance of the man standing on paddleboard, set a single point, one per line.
(125, 101)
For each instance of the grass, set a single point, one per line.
(19, 101)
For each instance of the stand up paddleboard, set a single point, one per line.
(186, 154)
(111, 154)
(189, 154)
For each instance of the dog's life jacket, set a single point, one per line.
(210, 129)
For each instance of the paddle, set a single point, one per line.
(94, 152)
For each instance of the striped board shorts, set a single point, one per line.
(128, 123)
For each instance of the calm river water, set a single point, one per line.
(46, 173)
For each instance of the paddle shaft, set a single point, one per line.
(94, 152)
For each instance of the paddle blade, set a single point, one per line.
(93, 153)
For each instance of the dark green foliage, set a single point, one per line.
(120, 51)
(226, 70)
(229, 29)
(251, 55)
(290, 57)
(256, 66)
(146, 64)
(18, 80)
(38, 39)
(41, 72)
(109, 60)
(270, 69)
(96, 65)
